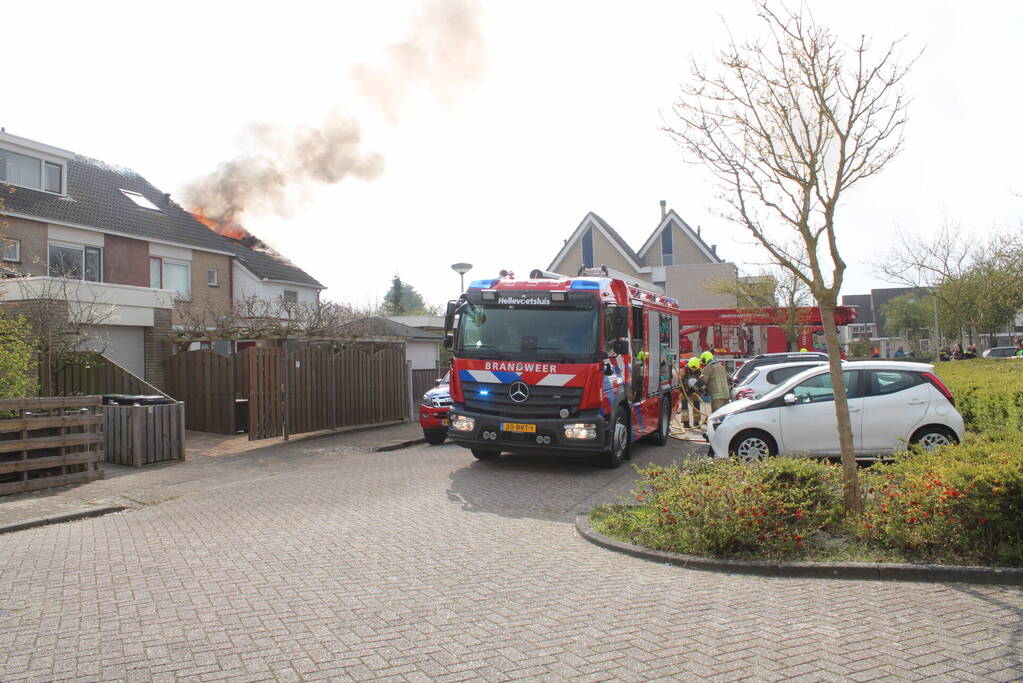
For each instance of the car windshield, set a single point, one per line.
(561, 333)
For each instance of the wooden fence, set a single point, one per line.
(89, 374)
(424, 380)
(310, 389)
(142, 435)
(47, 442)
(205, 382)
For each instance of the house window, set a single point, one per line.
(11, 251)
(52, 177)
(213, 277)
(588, 248)
(30, 172)
(177, 277)
(290, 296)
(155, 273)
(76, 262)
(140, 200)
(667, 254)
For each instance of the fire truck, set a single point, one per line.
(564, 365)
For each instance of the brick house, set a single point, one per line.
(115, 242)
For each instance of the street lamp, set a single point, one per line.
(461, 269)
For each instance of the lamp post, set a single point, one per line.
(461, 269)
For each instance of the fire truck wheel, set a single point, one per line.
(619, 441)
(660, 437)
(435, 437)
(484, 454)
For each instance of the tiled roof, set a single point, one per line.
(380, 326)
(271, 266)
(94, 200)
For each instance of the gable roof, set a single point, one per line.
(593, 220)
(94, 200)
(269, 265)
(672, 218)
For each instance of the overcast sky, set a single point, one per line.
(502, 145)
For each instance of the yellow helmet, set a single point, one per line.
(802, 350)
(694, 363)
(706, 357)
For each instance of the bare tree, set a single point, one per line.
(787, 126)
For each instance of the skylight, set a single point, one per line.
(140, 200)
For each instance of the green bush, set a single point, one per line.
(17, 369)
(960, 505)
(988, 393)
(729, 508)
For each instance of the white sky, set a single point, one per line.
(565, 121)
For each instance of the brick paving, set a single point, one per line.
(423, 564)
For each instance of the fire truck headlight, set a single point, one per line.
(581, 431)
(461, 423)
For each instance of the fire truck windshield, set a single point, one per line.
(559, 333)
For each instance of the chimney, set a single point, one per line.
(664, 209)
(699, 230)
(166, 197)
(714, 249)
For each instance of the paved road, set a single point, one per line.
(425, 564)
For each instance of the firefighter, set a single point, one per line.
(716, 379)
(693, 386)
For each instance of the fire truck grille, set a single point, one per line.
(543, 402)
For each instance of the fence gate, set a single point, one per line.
(205, 381)
(266, 410)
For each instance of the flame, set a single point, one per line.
(227, 228)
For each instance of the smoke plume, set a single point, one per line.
(444, 51)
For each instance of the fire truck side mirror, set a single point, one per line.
(449, 317)
(621, 346)
(449, 341)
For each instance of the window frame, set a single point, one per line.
(213, 281)
(60, 177)
(159, 264)
(9, 242)
(164, 262)
(83, 249)
(43, 163)
(286, 299)
(139, 200)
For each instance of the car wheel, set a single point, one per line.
(660, 437)
(485, 454)
(435, 437)
(753, 445)
(619, 441)
(933, 437)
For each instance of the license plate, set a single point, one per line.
(517, 427)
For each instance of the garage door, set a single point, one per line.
(122, 344)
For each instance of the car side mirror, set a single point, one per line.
(620, 346)
(790, 399)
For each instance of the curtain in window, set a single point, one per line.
(175, 276)
(19, 169)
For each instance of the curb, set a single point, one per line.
(398, 446)
(809, 570)
(59, 519)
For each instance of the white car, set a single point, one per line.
(767, 377)
(891, 404)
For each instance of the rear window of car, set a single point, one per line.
(781, 374)
(884, 382)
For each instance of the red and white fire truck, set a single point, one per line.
(582, 365)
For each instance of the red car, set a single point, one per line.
(433, 412)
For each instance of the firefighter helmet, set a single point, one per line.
(706, 357)
(694, 363)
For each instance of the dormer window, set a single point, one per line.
(31, 172)
(140, 200)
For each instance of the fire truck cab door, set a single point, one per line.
(653, 349)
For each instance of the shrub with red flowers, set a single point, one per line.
(959, 505)
(729, 508)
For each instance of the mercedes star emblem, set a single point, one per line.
(518, 392)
